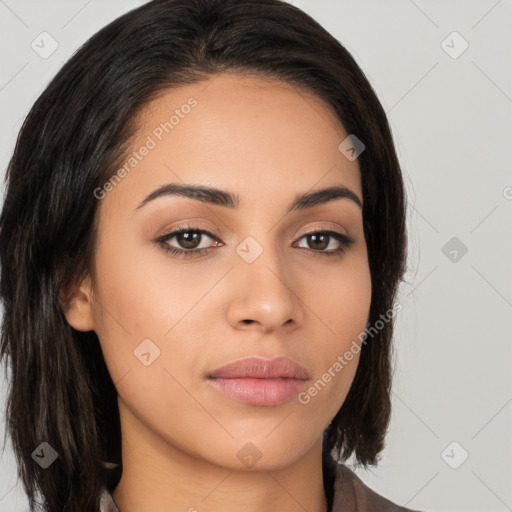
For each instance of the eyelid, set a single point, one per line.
(316, 229)
(187, 225)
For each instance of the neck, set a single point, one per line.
(158, 477)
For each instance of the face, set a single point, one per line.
(248, 277)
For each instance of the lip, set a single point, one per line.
(259, 381)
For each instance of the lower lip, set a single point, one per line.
(266, 392)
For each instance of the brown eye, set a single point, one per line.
(319, 241)
(188, 240)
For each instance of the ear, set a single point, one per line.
(77, 304)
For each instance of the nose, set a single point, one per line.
(265, 295)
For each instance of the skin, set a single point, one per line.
(267, 142)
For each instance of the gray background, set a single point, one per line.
(451, 116)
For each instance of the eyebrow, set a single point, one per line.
(219, 197)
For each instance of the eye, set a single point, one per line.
(318, 241)
(191, 242)
(189, 239)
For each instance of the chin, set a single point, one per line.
(260, 452)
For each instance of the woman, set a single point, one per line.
(201, 242)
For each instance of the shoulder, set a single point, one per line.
(107, 503)
(352, 494)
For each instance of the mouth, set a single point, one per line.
(258, 381)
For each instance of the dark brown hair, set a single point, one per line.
(71, 143)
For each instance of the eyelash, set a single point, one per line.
(344, 240)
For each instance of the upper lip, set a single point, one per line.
(260, 368)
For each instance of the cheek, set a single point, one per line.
(143, 292)
(341, 298)
(344, 308)
(151, 310)
(342, 302)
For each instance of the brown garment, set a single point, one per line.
(351, 494)
(345, 492)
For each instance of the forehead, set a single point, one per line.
(251, 105)
(241, 133)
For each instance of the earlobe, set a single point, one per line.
(76, 303)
